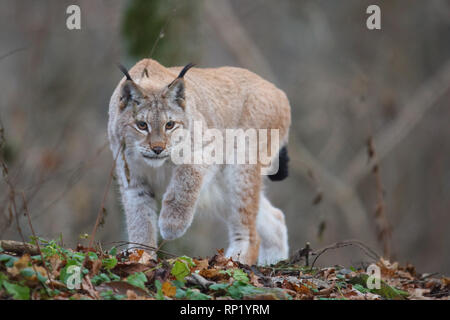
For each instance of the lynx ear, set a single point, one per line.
(175, 91)
(130, 90)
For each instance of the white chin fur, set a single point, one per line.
(155, 163)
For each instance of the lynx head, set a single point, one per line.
(152, 115)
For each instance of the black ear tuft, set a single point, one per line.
(185, 69)
(125, 71)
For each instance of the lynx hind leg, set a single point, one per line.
(245, 185)
(273, 232)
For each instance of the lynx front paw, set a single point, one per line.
(172, 223)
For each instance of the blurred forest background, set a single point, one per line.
(347, 85)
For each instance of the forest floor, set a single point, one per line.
(85, 273)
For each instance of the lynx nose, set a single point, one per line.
(157, 149)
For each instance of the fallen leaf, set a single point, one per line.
(124, 269)
(136, 255)
(120, 287)
(201, 264)
(86, 285)
(96, 266)
(168, 289)
(214, 274)
(131, 295)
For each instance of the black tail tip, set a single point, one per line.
(283, 172)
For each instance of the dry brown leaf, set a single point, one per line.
(145, 258)
(96, 266)
(201, 264)
(263, 296)
(136, 255)
(445, 281)
(55, 263)
(131, 295)
(121, 287)
(124, 269)
(405, 275)
(168, 289)
(213, 274)
(86, 285)
(254, 280)
(22, 263)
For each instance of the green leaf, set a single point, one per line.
(240, 289)
(188, 260)
(386, 291)
(181, 294)
(180, 270)
(3, 277)
(41, 278)
(240, 275)
(138, 279)
(93, 256)
(159, 293)
(219, 286)
(109, 263)
(360, 288)
(110, 295)
(17, 291)
(4, 257)
(27, 272)
(178, 284)
(69, 271)
(113, 251)
(8, 260)
(196, 295)
(100, 278)
(78, 256)
(114, 277)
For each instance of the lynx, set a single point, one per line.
(147, 108)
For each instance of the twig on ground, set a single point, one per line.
(105, 195)
(19, 247)
(368, 251)
(25, 208)
(196, 279)
(141, 245)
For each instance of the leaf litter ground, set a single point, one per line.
(60, 273)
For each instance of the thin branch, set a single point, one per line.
(12, 52)
(105, 195)
(25, 207)
(382, 225)
(160, 36)
(367, 250)
(141, 245)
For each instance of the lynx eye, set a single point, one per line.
(141, 125)
(170, 125)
